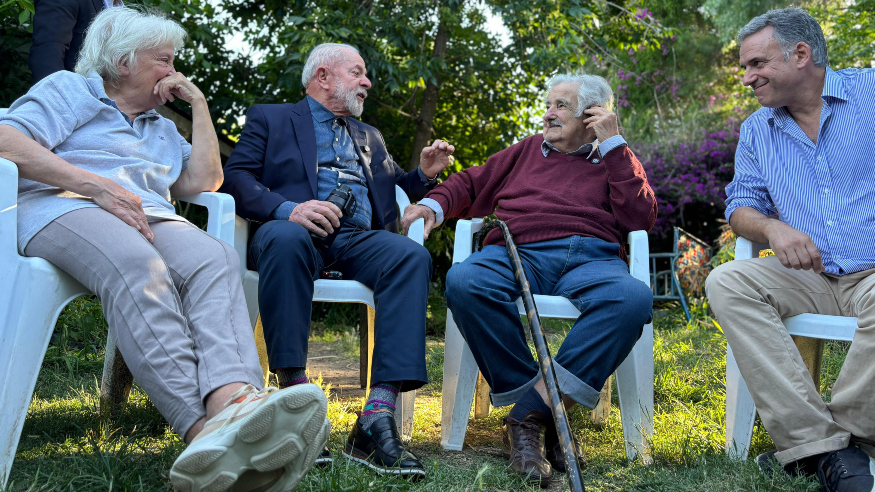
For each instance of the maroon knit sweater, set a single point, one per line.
(543, 198)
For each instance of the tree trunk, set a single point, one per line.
(425, 121)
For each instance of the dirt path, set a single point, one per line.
(340, 371)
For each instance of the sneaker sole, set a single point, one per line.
(411, 473)
(288, 432)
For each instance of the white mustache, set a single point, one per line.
(362, 92)
(555, 123)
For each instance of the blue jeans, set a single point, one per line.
(614, 306)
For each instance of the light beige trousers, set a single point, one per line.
(749, 298)
(176, 307)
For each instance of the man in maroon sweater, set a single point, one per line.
(569, 196)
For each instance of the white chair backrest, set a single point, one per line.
(8, 200)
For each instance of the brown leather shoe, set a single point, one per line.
(554, 450)
(524, 443)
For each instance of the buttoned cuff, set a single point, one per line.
(283, 211)
(438, 211)
(611, 144)
(425, 179)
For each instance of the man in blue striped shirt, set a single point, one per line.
(804, 183)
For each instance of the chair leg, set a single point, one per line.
(602, 411)
(482, 405)
(115, 386)
(261, 347)
(811, 350)
(460, 378)
(28, 313)
(366, 343)
(740, 411)
(404, 414)
(635, 391)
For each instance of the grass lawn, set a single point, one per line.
(66, 446)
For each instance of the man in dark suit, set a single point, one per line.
(290, 157)
(58, 30)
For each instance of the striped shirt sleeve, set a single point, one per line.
(748, 188)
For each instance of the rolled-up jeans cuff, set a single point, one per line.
(572, 387)
(812, 448)
(513, 396)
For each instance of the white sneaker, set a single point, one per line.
(264, 440)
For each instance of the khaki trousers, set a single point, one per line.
(749, 298)
(176, 307)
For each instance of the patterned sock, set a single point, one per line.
(530, 401)
(290, 376)
(380, 404)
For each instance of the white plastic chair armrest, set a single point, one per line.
(746, 249)
(639, 256)
(8, 204)
(220, 213)
(417, 228)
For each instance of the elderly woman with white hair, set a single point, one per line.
(98, 166)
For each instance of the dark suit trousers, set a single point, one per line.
(394, 266)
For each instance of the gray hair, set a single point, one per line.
(118, 34)
(591, 89)
(324, 55)
(791, 26)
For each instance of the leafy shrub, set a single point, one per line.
(689, 178)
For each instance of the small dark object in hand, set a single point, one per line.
(331, 275)
(344, 199)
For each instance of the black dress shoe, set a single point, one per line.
(524, 444)
(806, 467)
(846, 470)
(325, 458)
(554, 449)
(380, 448)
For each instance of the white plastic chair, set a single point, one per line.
(32, 294)
(740, 408)
(634, 376)
(332, 291)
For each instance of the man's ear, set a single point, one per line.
(802, 52)
(323, 78)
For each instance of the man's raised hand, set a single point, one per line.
(436, 157)
(414, 212)
(602, 121)
(317, 216)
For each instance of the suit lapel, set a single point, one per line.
(360, 141)
(365, 153)
(306, 135)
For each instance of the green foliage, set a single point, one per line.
(850, 31)
(81, 324)
(15, 34)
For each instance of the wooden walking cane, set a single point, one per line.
(560, 418)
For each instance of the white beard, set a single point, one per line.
(350, 101)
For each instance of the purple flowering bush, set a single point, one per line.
(689, 178)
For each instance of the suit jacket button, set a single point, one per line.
(367, 149)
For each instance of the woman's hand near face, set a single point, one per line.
(175, 86)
